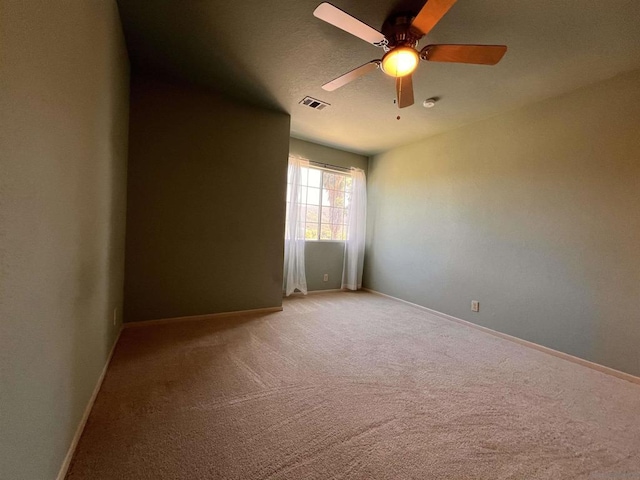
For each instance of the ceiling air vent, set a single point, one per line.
(314, 103)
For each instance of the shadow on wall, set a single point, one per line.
(206, 203)
(181, 58)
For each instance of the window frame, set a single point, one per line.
(322, 188)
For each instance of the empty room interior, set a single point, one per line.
(388, 239)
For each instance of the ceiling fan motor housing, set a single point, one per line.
(399, 32)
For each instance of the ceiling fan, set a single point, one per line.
(399, 38)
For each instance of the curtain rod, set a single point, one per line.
(329, 166)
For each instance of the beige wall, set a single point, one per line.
(325, 257)
(535, 213)
(63, 144)
(206, 205)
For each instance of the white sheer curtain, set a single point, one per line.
(354, 246)
(294, 275)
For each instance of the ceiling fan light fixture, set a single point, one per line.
(400, 61)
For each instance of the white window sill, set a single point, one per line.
(324, 241)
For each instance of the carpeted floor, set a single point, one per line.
(352, 386)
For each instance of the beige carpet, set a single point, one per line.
(352, 386)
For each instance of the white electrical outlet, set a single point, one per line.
(475, 306)
(325, 277)
(115, 315)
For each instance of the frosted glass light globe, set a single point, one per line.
(400, 61)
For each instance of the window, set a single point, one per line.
(325, 197)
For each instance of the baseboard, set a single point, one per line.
(208, 316)
(85, 416)
(565, 356)
(313, 292)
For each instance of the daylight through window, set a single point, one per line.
(324, 198)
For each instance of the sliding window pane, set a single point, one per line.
(347, 183)
(326, 200)
(313, 197)
(336, 198)
(345, 217)
(336, 218)
(326, 214)
(312, 214)
(315, 178)
(311, 231)
(329, 180)
(325, 232)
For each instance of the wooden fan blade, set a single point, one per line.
(431, 14)
(404, 91)
(351, 76)
(477, 54)
(338, 18)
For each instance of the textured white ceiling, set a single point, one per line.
(275, 52)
